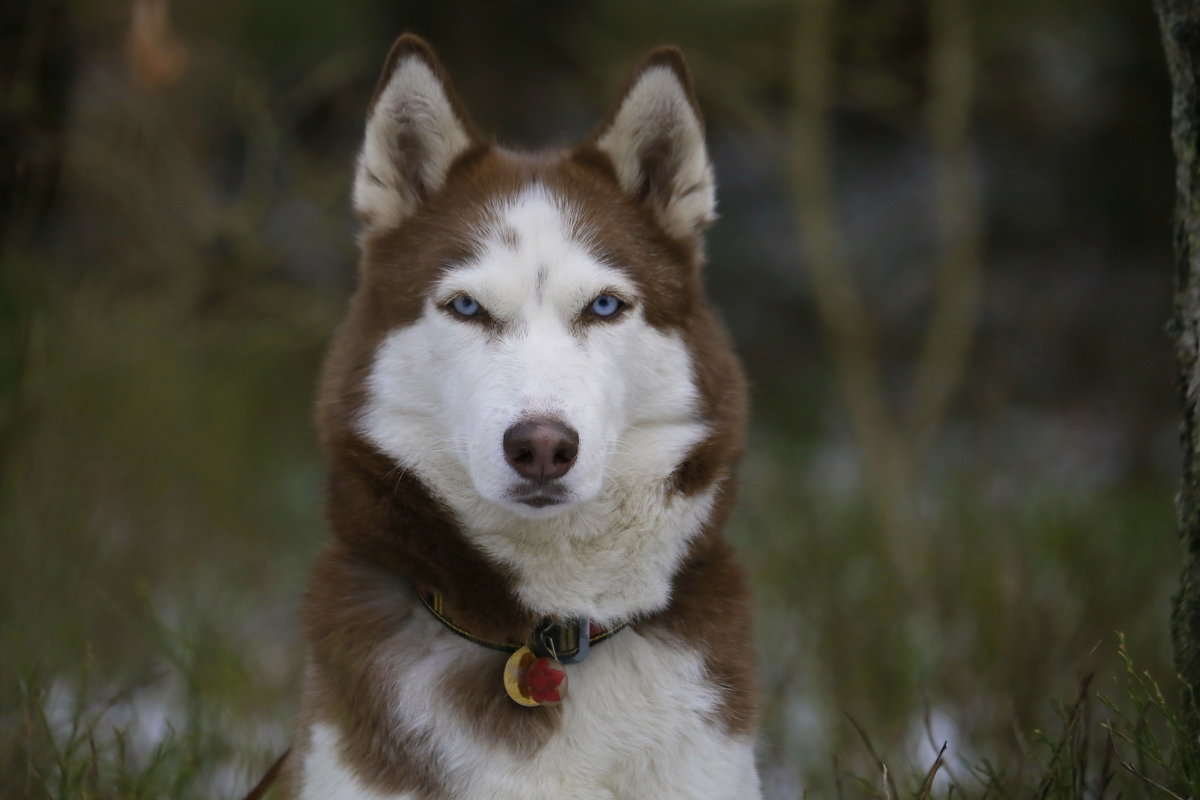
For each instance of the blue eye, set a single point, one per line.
(466, 305)
(606, 305)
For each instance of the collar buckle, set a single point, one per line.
(567, 642)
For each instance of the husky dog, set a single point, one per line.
(532, 419)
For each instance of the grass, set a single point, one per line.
(1019, 599)
(60, 744)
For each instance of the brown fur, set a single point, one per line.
(474, 691)
(390, 532)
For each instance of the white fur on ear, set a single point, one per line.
(656, 143)
(414, 133)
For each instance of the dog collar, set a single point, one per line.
(534, 674)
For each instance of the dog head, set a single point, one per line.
(529, 331)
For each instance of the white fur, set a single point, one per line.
(640, 722)
(324, 774)
(656, 111)
(413, 110)
(443, 391)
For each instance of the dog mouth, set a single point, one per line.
(539, 495)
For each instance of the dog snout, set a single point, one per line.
(541, 449)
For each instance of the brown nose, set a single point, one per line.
(541, 449)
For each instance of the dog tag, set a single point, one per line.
(533, 681)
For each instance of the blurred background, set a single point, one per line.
(943, 254)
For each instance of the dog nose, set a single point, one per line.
(541, 449)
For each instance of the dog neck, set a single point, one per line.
(611, 560)
(567, 641)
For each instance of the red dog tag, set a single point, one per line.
(533, 681)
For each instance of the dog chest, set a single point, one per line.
(641, 720)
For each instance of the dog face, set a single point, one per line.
(532, 362)
(529, 335)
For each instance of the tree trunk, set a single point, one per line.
(1180, 21)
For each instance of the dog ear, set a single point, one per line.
(654, 137)
(416, 128)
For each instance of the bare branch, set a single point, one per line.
(958, 217)
(840, 305)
